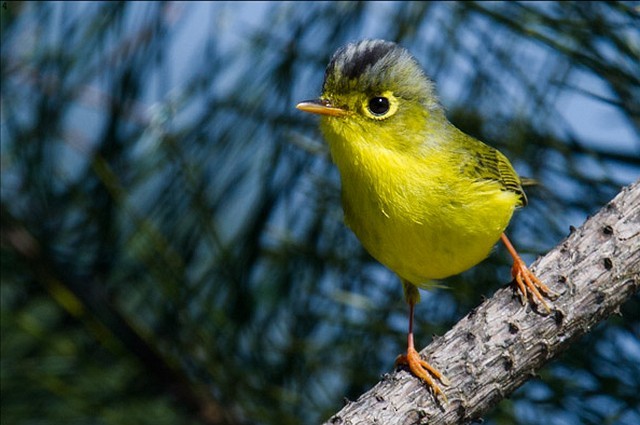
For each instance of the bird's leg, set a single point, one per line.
(527, 282)
(417, 366)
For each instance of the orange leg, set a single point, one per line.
(527, 282)
(419, 367)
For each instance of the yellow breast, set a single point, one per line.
(416, 215)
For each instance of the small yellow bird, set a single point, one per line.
(425, 199)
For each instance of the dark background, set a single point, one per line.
(173, 250)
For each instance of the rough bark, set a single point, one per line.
(499, 345)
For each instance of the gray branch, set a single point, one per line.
(499, 345)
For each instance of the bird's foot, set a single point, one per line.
(424, 371)
(528, 283)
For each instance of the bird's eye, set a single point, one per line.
(379, 105)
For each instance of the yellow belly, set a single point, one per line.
(425, 225)
(419, 252)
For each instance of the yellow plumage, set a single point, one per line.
(425, 199)
(417, 214)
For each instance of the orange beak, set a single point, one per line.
(321, 107)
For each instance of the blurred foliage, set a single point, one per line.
(172, 241)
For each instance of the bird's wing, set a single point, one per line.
(486, 163)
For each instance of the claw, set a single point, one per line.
(424, 371)
(527, 282)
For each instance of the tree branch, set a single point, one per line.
(499, 345)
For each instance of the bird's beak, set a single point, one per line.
(321, 107)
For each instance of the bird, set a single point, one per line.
(425, 199)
